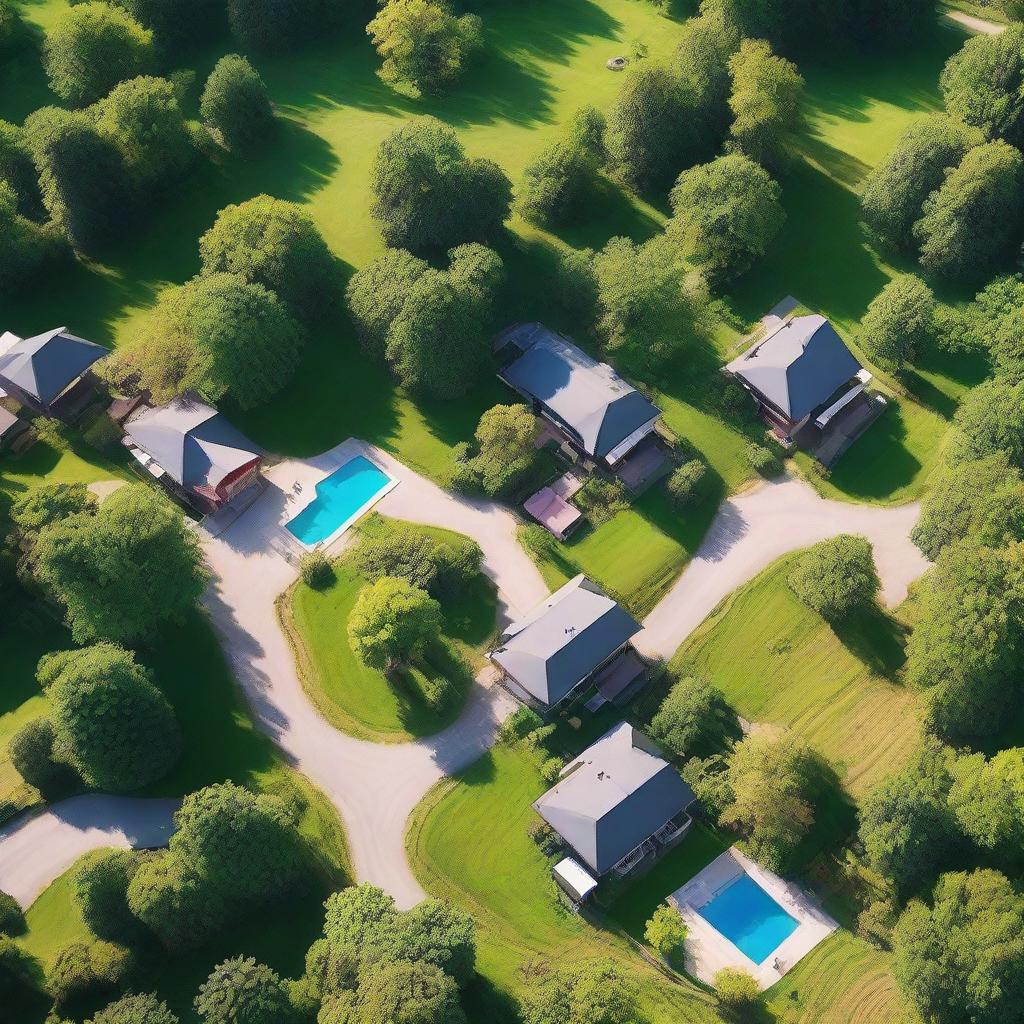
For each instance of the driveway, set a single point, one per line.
(36, 849)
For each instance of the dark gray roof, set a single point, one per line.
(194, 443)
(43, 366)
(564, 639)
(613, 797)
(587, 395)
(798, 366)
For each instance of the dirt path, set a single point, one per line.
(974, 24)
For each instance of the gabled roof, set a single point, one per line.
(43, 366)
(195, 444)
(613, 797)
(589, 396)
(798, 366)
(564, 639)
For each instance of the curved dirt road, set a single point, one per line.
(376, 786)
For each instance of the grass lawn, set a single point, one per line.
(360, 700)
(839, 691)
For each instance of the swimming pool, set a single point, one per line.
(340, 499)
(749, 918)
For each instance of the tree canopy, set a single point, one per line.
(836, 577)
(110, 722)
(277, 25)
(24, 244)
(693, 718)
(899, 324)
(123, 572)
(990, 419)
(987, 797)
(235, 105)
(391, 621)
(93, 46)
(702, 60)
(592, 990)
(422, 44)
(242, 991)
(429, 195)
(726, 214)
(376, 294)
(504, 450)
(135, 1009)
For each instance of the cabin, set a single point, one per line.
(50, 374)
(599, 417)
(619, 804)
(194, 451)
(808, 386)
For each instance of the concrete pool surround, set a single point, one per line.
(708, 950)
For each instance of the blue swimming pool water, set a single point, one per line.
(749, 918)
(338, 498)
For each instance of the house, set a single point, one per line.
(194, 451)
(601, 417)
(619, 803)
(49, 373)
(808, 385)
(576, 638)
(15, 433)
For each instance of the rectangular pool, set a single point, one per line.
(749, 918)
(340, 499)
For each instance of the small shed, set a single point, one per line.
(15, 433)
(573, 879)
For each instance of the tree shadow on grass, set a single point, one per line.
(24, 86)
(835, 814)
(481, 772)
(484, 1001)
(607, 211)
(876, 639)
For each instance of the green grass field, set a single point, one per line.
(360, 700)
(839, 691)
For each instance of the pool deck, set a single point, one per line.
(708, 951)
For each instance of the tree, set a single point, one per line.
(666, 932)
(965, 645)
(992, 324)
(422, 44)
(418, 556)
(273, 243)
(983, 84)
(836, 577)
(726, 214)
(504, 449)
(124, 571)
(737, 991)
(980, 499)
(702, 60)
(651, 307)
(973, 223)
(110, 722)
(429, 195)
(82, 177)
(217, 335)
(439, 342)
(177, 24)
(101, 881)
(242, 991)
(17, 983)
(353, 914)
(963, 958)
(135, 1010)
(12, 919)
(392, 621)
(899, 325)
(592, 991)
(49, 503)
(172, 901)
(770, 782)
(18, 170)
(652, 132)
(559, 178)
(990, 419)
(766, 95)
(987, 797)
(31, 750)
(895, 190)
(10, 24)
(88, 973)
(24, 244)
(91, 48)
(235, 105)
(377, 293)
(693, 716)
(277, 25)
(408, 993)
(141, 117)
(685, 485)
(906, 827)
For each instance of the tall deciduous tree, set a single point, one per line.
(134, 1009)
(377, 293)
(429, 195)
(242, 991)
(899, 325)
(593, 990)
(24, 244)
(726, 214)
(235, 104)
(124, 571)
(987, 798)
(504, 449)
(91, 48)
(836, 577)
(391, 621)
(702, 60)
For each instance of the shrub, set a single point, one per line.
(91, 48)
(763, 460)
(12, 920)
(519, 725)
(31, 750)
(551, 769)
(875, 923)
(666, 932)
(235, 104)
(316, 570)
(836, 577)
(242, 991)
(736, 989)
(685, 484)
(548, 841)
(601, 500)
(693, 716)
(101, 891)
